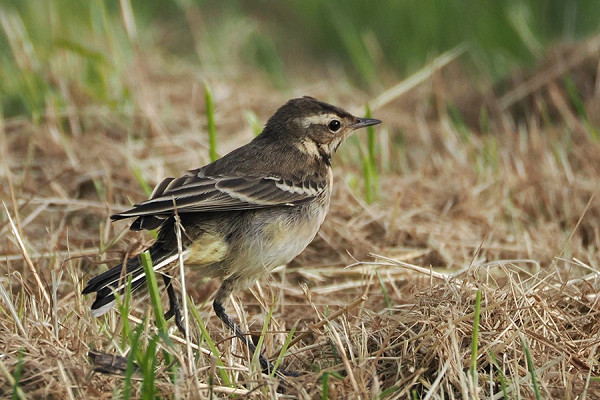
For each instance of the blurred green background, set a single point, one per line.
(50, 48)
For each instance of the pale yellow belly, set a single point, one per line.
(270, 238)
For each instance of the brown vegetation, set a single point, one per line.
(504, 201)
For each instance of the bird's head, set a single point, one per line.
(315, 127)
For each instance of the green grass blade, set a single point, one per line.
(325, 386)
(16, 390)
(211, 345)
(484, 120)
(386, 296)
(149, 370)
(352, 39)
(501, 376)
(261, 339)
(157, 307)
(284, 348)
(475, 338)
(124, 305)
(325, 383)
(371, 139)
(370, 163)
(459, 123)
(531, 368)
(135, 354)
(210, 118)
(254, 123)
(368, 178)
(389, 391)
(137, 173)
(266, 56)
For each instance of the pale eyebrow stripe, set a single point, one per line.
(320, 119)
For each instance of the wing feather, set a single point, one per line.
(197, 193)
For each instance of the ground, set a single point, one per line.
(472, 274)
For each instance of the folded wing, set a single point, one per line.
(196, 193)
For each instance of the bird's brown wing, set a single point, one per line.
(196, 193)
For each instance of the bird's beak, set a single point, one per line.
(362, 122)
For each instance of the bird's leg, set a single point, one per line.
(220, 311)
(174, 309)
(218, 305)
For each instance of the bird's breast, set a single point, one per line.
(278, 236)
(263, 240)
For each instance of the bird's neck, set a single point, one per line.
(312, 149)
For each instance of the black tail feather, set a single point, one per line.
(106, 295)
(112, 276)
(115, 279)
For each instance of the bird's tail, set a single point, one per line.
(115, 280)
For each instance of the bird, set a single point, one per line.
(242, 215)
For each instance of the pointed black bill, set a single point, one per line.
(362, 122)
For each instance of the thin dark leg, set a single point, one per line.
(174, 309)
(220, 311)
(220, 299)
(266, 366)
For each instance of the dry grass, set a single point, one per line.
(509, 207)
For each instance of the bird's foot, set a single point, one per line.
(175, 311)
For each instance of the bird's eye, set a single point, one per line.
(334, 125)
